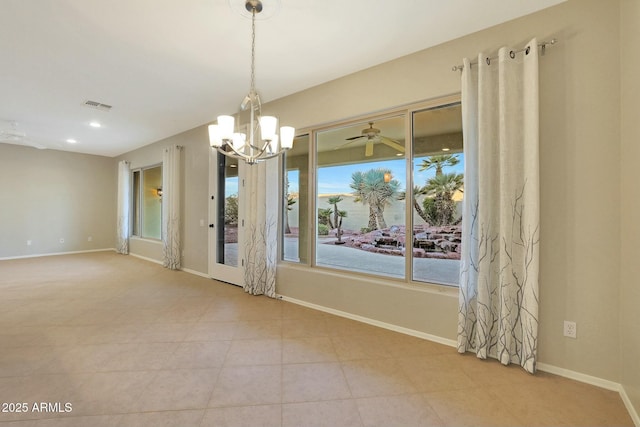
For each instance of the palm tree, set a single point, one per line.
(438, 162)
(417, 191)
(336, 214)
(358, 185)
(439, 205)
(324, 217)
(371, 189)
(290, 202)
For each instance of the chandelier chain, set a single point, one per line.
(253, 52)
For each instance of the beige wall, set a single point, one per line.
(581, 267)
(580, 107)
(195, 190)
(630, 221)
(46, 195)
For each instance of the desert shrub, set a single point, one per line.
(324, 216)
(323, 230)
(231, 210)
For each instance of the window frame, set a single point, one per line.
(137, 204)
(408, 112)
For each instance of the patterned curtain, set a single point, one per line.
(498, 304)
(124, 205)
(171, 195)
(261, 240)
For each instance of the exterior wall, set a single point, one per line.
(48, 195)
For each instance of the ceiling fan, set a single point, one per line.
(373, 135)
(12, 135)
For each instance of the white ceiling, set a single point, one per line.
(167, 66)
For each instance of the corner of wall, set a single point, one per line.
(630, 205)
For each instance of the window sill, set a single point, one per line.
(146, 239)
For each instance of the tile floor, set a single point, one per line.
(128, 343)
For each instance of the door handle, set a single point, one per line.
(211, 225)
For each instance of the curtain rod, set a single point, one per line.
(541, 45)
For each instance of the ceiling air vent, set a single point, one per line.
(98, 105)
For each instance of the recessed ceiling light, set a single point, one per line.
(95, 124)
(71, 141)
(445, 149)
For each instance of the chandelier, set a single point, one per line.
(263, 141)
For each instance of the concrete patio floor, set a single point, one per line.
(440, 271)
(429, 270)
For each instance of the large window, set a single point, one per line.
(361, 173)
(438, 184)
(147, 202)
(384, 196)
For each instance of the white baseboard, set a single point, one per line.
(197, 273)
(567, 373)
(186, 270)
(595, 381)
(155, 261)
(55, 254)
(578, 376)
(632, 411)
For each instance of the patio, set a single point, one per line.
(443, 271)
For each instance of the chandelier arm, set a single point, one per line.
(236, 156)
(258, 149)
(261, 150)
(268, 156)
(254, 157)
(237, 153)
(248, 159)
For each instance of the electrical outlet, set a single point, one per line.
(28, 242)
(90, 239)
(62, 240)
(570, 329)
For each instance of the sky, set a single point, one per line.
(230, 186)
(336, 179)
